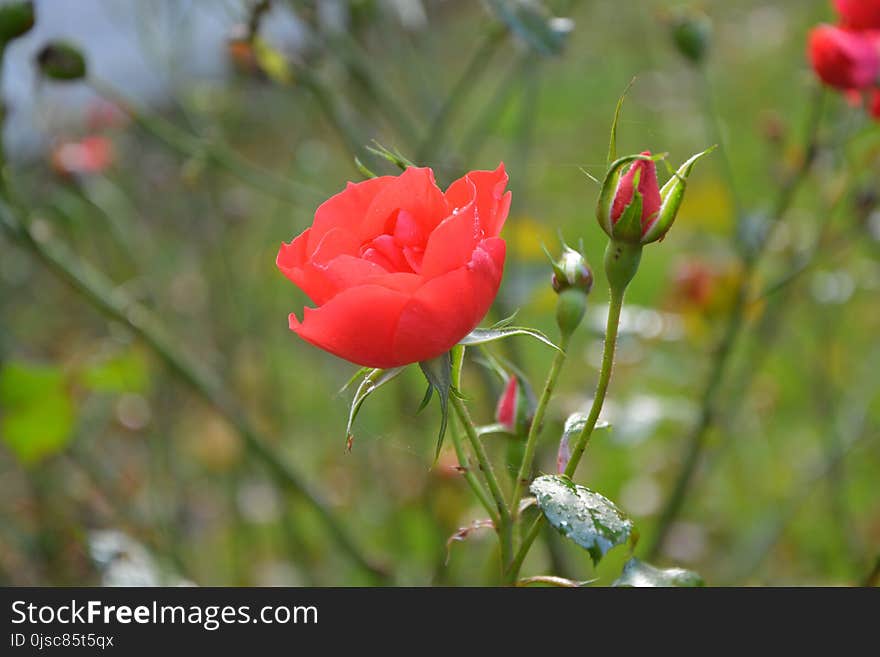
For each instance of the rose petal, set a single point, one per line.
(452, 243)
(346, 209)
(492, 202)
(447, 308)
(413, 191)
(358, 325)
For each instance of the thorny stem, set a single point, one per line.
(102, 294)
(614, 307)
(504, 525)
(525, 469)
(469, 476)
(696, 441)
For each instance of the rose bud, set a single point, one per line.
(61, 61)
(691, 33)
(859, 14)
(16, 19)
(514, 410)
(572, 281)
(632, 209)
(399, 270)
(843, 59)
(572, 270)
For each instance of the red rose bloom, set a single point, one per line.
(845, 59)
(859, 14)
(399, 270)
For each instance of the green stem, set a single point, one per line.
(504, 526)
(525, 468)
(614, 307)
(102, 294)
(469, 476)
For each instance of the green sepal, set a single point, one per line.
(438, 372)
(612, 143)
(393, 156)
(672, 195)
(628, 227)
(374, 379)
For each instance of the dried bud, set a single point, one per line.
(61, 61)
(692, 34)
(16, 19)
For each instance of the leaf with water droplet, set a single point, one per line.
(638, 573)
(589, 519)
(484, 335)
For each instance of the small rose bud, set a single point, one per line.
(16, 19)
(692, 33)
(572, 281)
(61, 61)
(844, 59)
(632, 208)
(515, 410)
(571, 270)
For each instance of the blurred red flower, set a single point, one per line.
(399, 270)
(859, 14)
(88, 156)
(845, 59)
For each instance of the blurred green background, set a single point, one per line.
(113, 470)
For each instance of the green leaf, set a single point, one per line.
(612, 145)
(375, 379)
(532, 23)
(589, 519)
(484, 335)
(37, 412)
(639, 573)
(123, 372)
(438, 372)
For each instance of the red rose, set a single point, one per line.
(399, 270)
(845, 59)
(859, 14)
